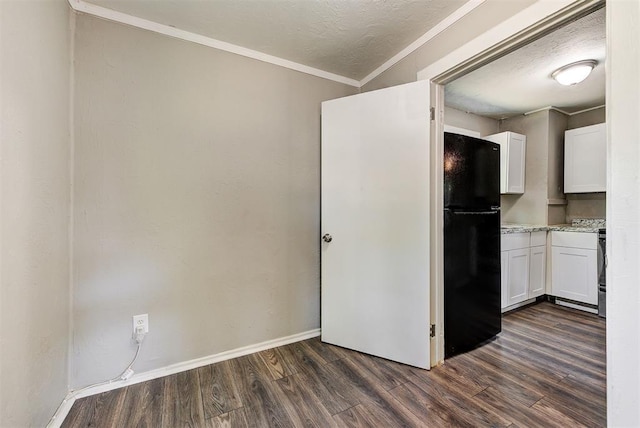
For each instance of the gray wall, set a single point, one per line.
(587, 118)
(556, 212)
(197, 199)
(545, 171)
(545, 168)
(586, 205)
(483, 125)
(530, 207)
(34, 210)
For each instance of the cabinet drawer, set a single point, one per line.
(538, 238)
(588, 241)
(514, 241)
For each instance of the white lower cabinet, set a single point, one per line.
(523, 267)
(537, 270)
(518, 276)
(574, 273)
(504, 278)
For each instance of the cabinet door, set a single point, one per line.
(512, 160)
(585, 159)
(573, 274)
(518, 276)
(515, 170)
(504, 278)
(537, 271)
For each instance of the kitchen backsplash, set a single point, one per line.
(589, 222)
(586, 205)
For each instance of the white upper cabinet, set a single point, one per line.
(512, 160)
(585, 159)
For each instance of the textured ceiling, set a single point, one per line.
(521, 81)
(350, 38)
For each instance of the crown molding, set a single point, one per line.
(563, 111)
(82, 6)
(134, 21)
(439, 28)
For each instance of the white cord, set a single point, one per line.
(127, 373)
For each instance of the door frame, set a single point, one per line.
(536, 21)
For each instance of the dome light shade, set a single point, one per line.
(574, 73)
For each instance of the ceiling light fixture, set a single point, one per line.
(574, 73)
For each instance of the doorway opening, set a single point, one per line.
(524, 28)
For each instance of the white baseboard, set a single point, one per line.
(518, 305)
(67, 403)
(62, 411)
(576, 306)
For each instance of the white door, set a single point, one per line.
(375, 207)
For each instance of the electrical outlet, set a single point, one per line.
(141, 320)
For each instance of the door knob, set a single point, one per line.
(327, 238)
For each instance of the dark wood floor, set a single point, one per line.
(546, 368)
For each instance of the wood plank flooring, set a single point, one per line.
(547, 368)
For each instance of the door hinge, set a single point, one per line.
(432, 330)
(432, 113)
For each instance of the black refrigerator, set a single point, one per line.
(471, 242)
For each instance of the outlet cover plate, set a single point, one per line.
(141, 320)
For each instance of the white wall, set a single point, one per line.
(623, 213)
(196, 199)
(34, 214)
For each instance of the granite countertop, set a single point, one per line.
(522, 228)
(587, 225)
(571, 228)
